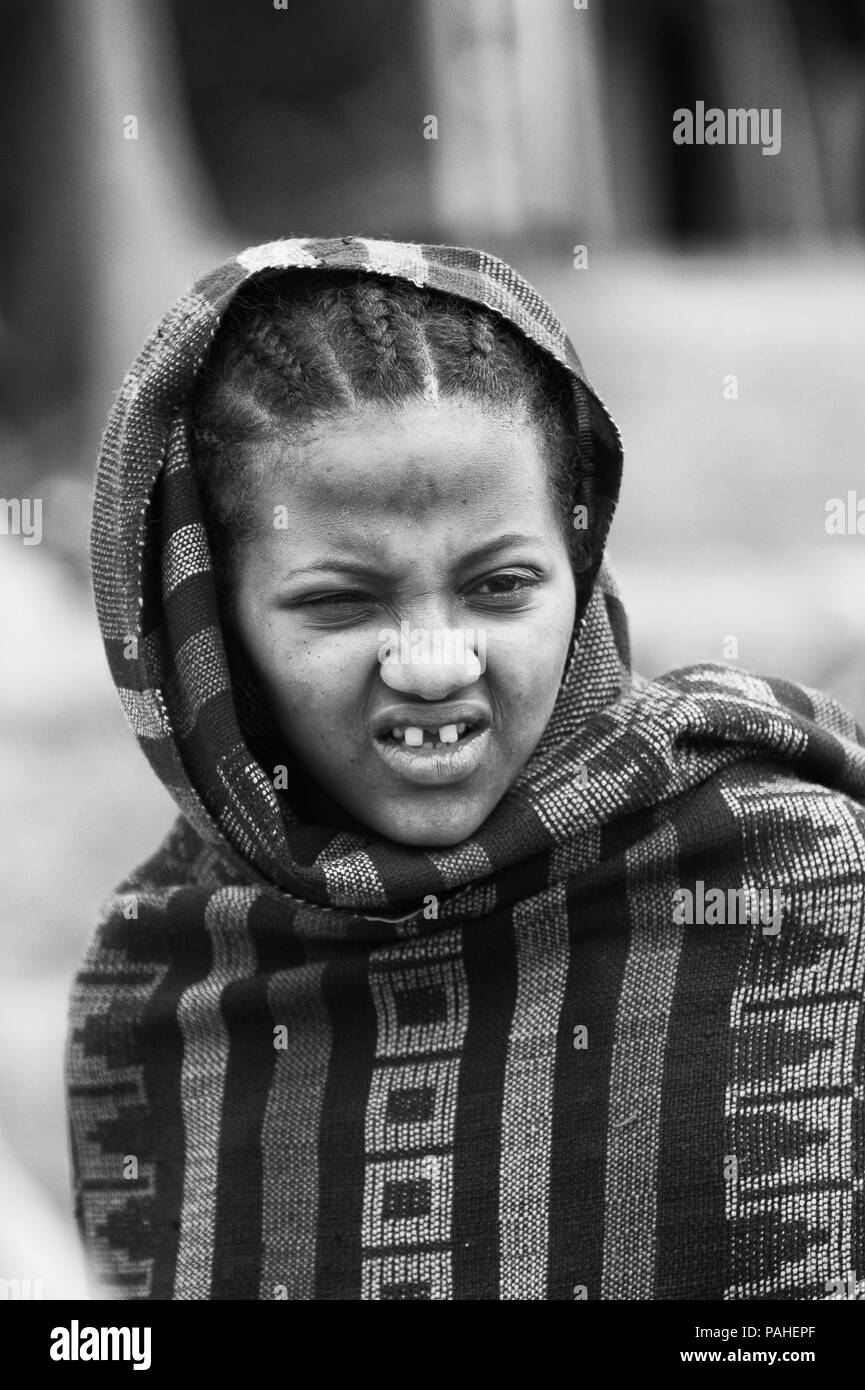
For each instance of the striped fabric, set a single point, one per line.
(610, 1047)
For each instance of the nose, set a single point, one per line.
(430, 664)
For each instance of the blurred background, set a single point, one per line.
(716, 297)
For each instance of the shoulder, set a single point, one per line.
(730, 714)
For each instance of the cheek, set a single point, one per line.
(524, 669)
(309, 676)
(536, 648)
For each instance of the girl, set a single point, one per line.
(476, 967)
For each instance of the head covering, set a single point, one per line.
(588, 1052)
(155, 594)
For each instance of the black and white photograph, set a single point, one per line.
(432, 691)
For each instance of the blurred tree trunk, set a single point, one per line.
(759, 64)
(149, 225)
(518, 101)
(108, 220)
(42, 245)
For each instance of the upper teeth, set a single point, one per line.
(413, 735)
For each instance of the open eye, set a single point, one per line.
(506, 586)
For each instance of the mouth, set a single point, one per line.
(434, 753)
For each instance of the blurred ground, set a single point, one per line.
(721, 531)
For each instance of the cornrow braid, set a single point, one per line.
(481, 337)
(299, 347)
(272, 351)
(381, 342)
(371, 311)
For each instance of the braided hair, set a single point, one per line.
(298, 348)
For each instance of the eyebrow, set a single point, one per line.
(334, 567)
(508, 542)
(483, 552)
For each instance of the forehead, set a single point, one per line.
(412, 461)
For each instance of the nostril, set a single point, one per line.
(472, 667)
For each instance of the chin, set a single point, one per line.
(436, 828)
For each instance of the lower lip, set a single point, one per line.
(435, 767)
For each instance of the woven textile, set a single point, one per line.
(609, 1047)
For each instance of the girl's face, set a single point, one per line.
(407, 608)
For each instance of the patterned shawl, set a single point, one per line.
(609, 1047)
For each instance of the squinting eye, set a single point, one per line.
(335, 608)
(334, 598)
(350, 604)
